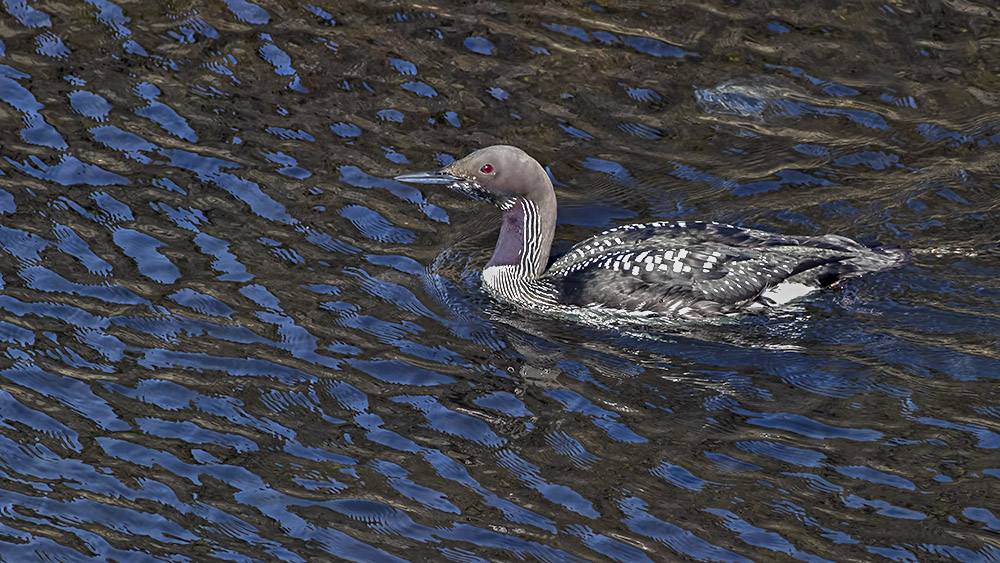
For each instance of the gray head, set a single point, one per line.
(519, 186)
(499, 174)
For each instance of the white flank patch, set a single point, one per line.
(787, 291)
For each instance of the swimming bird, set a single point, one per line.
(678, 269)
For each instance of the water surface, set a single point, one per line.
(228, 335)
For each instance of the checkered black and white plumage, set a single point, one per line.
(695, 269)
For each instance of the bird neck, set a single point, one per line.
(526, 235)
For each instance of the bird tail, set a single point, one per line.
(857, 259)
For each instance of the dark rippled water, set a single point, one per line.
(228, 335)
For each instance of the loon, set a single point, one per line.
(676, 269)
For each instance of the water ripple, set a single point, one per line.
(226, 333)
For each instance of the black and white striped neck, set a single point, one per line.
(522, 252)
(525, 237)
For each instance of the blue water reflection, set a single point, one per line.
(227, 334)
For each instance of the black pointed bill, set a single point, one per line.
(430, 177)
(464, 185)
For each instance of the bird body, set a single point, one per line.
(680, 269)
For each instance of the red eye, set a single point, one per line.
(487, 169)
